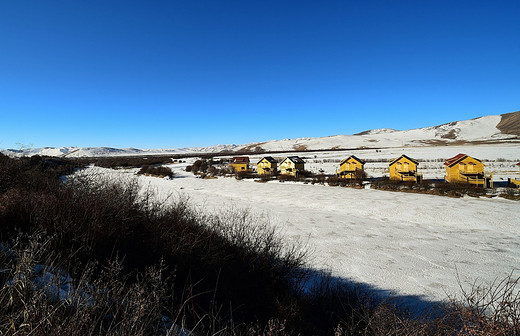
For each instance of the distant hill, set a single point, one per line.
(488, 129)
(482, 130)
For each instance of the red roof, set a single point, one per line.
(240, 159)
(455, 159)
(518, 164)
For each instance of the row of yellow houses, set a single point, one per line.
(291, 165)
(461, 168)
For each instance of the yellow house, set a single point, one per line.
(515, 181)
(463, 168)
(404, 168)
(267, 166)
(351, 168)
(240, 163)
(292, 165)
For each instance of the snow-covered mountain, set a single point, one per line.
(488, 129)
(109, 151)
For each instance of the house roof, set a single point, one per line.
(403, 156)
(457, 158)
(518, 164)
(269, 159)
(294, 159)
(240, 159)
(353, 157)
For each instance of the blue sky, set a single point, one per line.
(166, 74)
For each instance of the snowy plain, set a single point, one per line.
(399, 244)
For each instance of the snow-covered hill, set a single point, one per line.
(109, 151)
(488, 129)
(479, 130)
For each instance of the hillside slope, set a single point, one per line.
(488, 129)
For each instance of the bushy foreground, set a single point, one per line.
(89, 256)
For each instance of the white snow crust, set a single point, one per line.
(400, 244)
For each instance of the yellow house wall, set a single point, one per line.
(288, 164)
(411, 167)
(240, 166)
(262, 165)
(350, 165)
(453, 173)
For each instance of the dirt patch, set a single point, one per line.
(434, 142)
(256, 147)
(300, 147)
(363, 133)
(510, 123)
(450, 135)
(371, 132)
(438, 142)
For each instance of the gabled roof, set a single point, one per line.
(353, 157)
(269, 159)
(518, 164)
(294, 159)
(403, 156)
(456, 159)
(240, 159)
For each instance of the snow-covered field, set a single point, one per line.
(412, 245)
(500, 159)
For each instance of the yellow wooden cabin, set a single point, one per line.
(351, 168)
(404, 169)
(240, 163)
(515, 181)
(463, 168)
(267, 166)
(292, 165)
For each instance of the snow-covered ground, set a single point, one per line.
(408, 244)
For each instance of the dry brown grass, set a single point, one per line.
(510, 123)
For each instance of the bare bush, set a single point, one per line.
(156, 171)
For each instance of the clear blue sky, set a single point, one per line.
(167, 73)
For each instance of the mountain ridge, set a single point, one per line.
(487, 129)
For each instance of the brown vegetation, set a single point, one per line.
(510, 123)
(95, 257)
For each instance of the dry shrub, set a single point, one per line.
(124, 255)
(38, 297)
(156, 171)
(333, 181)
(492, 310)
